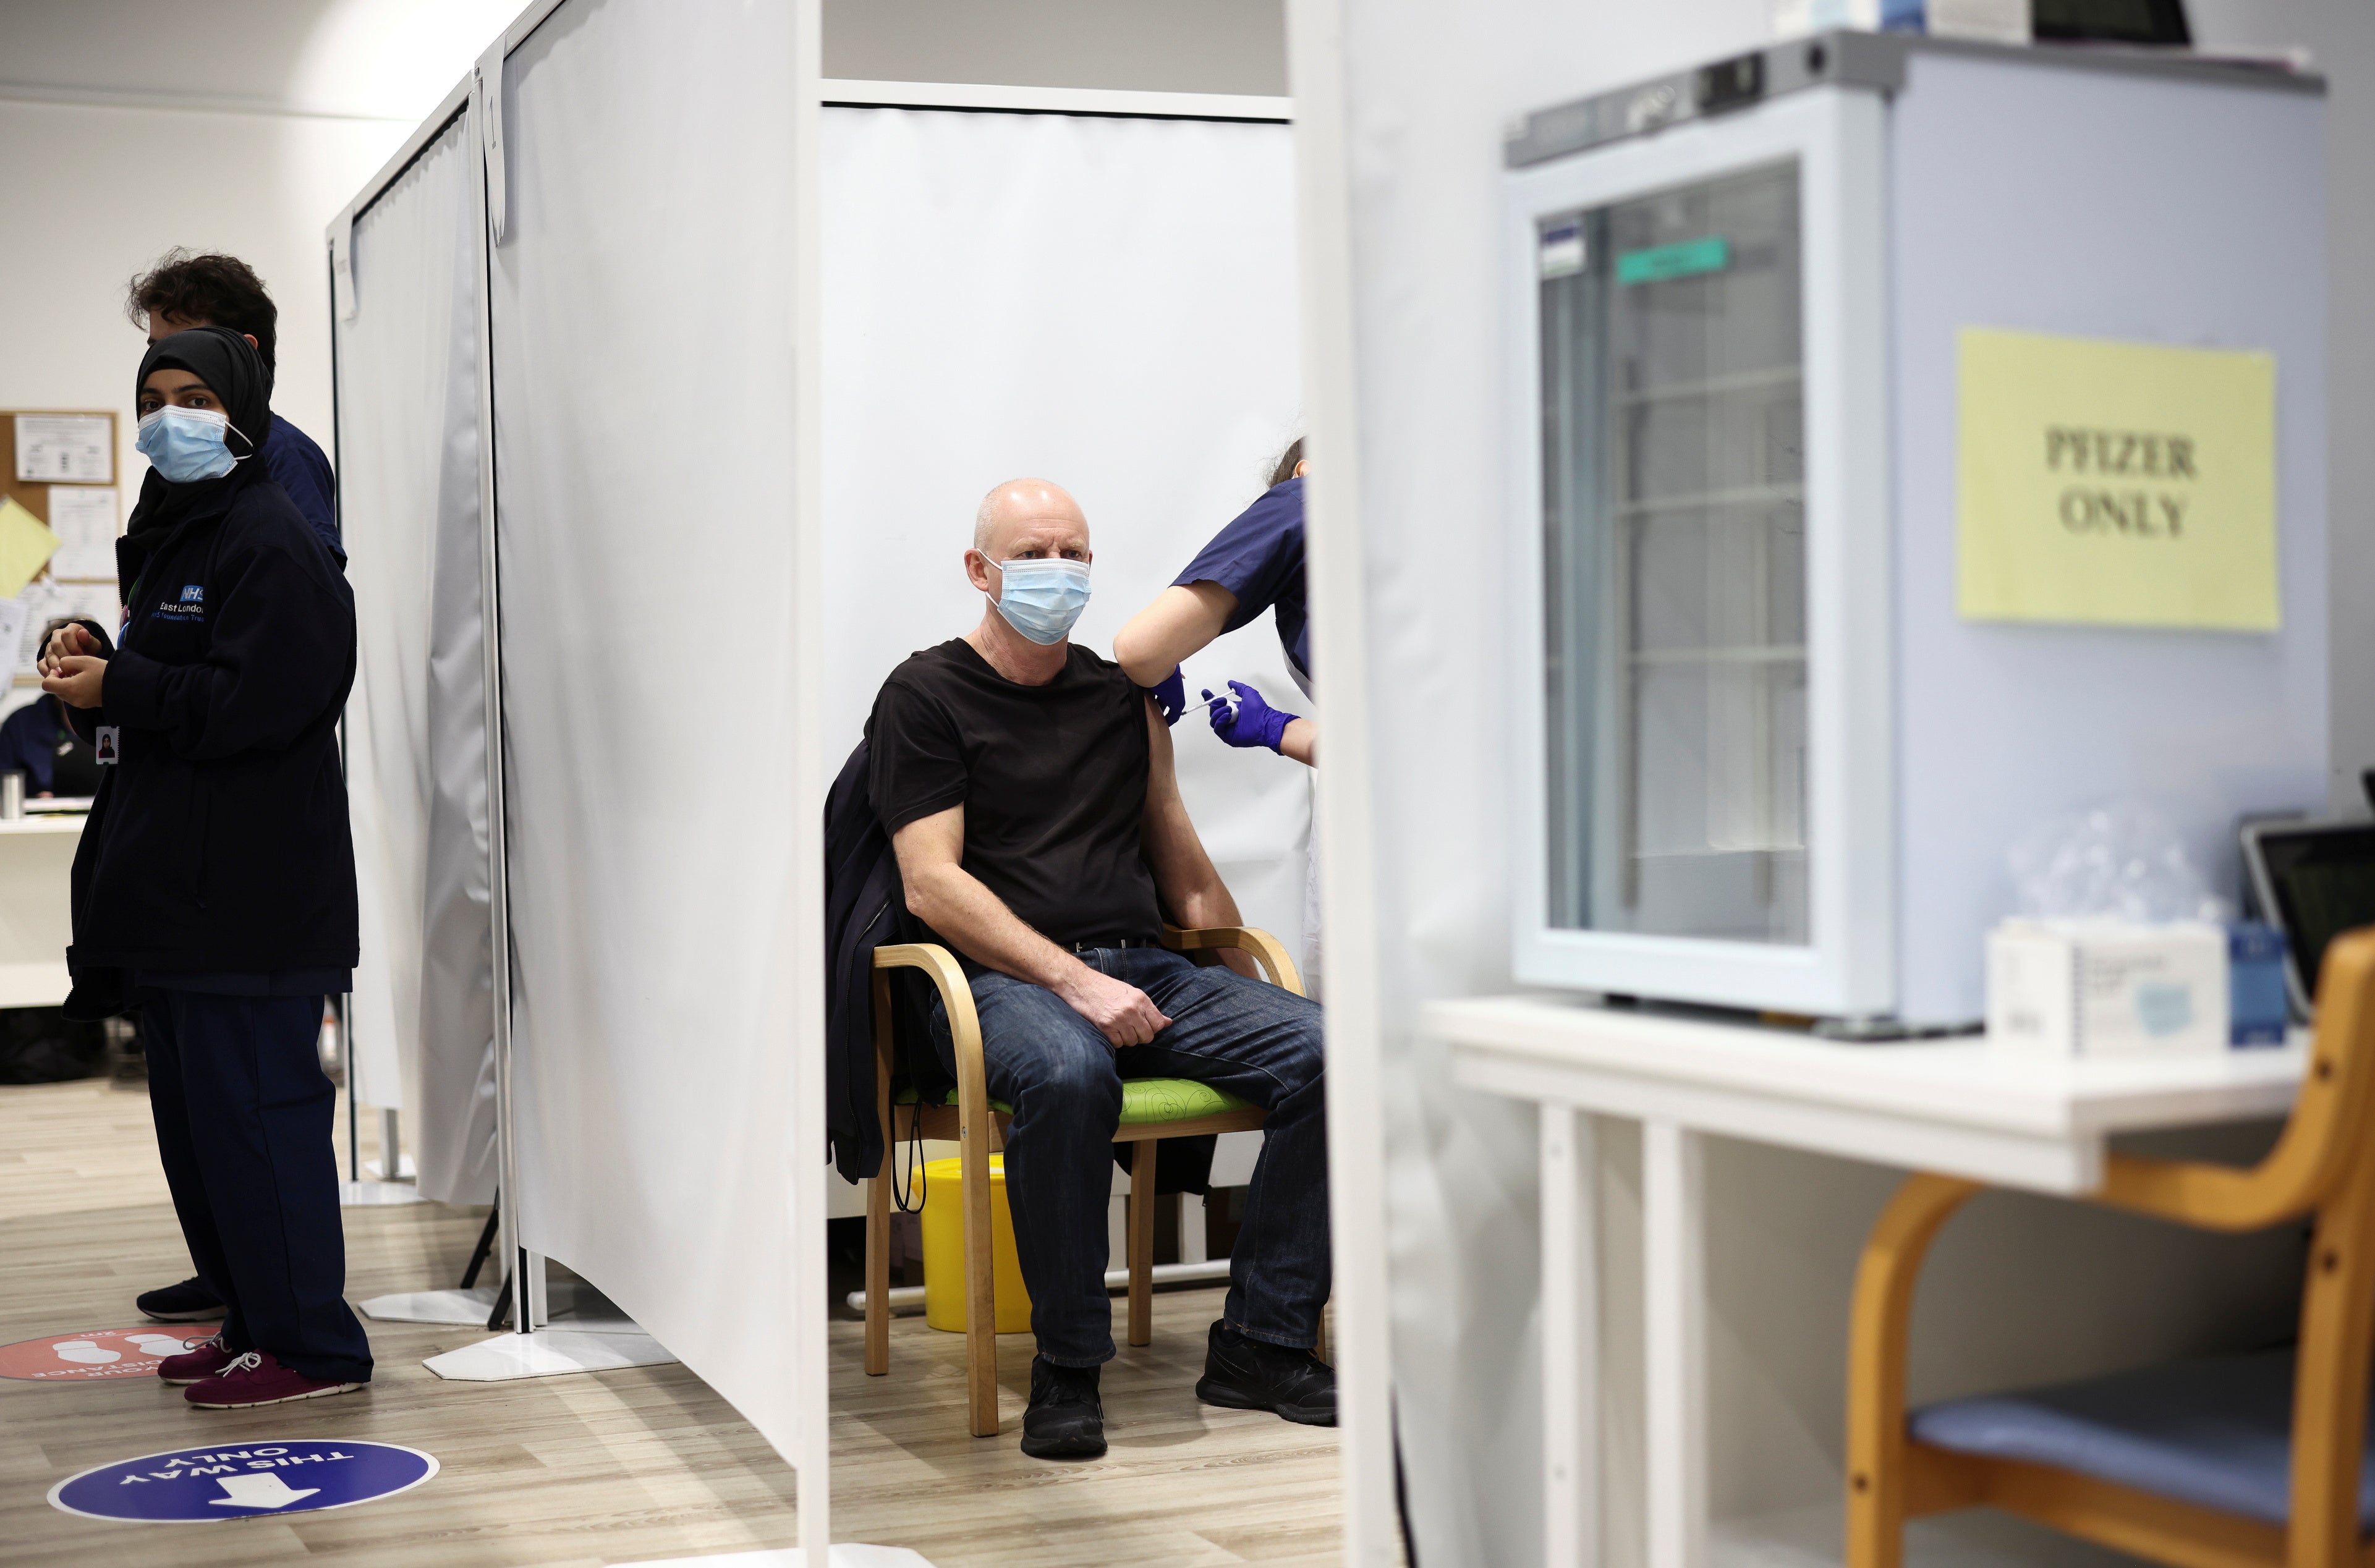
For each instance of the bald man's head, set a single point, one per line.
(1030, 517)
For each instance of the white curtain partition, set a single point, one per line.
(643, 393)
(1105, 303)
(416, 726)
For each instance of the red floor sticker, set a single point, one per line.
(99, 1353)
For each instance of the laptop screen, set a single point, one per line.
(2320, 879)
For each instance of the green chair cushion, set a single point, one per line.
(1149, 1101)
(1145, 1102)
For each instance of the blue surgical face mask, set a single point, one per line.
(187, 444)
(1041, 598)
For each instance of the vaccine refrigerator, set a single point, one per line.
(1766, 760)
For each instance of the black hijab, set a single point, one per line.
(241, 381)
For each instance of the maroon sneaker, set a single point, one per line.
(257, 1378)
(204, 1359)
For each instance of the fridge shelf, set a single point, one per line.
(1779, 654)
(1711, 501)
(1714, 387)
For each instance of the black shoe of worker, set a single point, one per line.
(186, 1302)
(1253, 1375)
(1066, 1420)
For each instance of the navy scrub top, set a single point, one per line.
(1259, 557)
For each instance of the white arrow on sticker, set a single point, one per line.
(260, 1491)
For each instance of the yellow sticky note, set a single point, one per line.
(25, 546)
(2116, 484)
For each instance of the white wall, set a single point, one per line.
(95, 193)
(2020, 1288)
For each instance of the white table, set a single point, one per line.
(1956, 1107)
(36, 921)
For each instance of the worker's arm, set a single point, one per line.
(1190, 890)
(1178, 625)
(952, 902)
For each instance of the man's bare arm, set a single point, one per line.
(952, 902)
(1191, 890)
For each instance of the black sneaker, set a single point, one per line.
(1253, 1375)
(1065, 1420)
(186, 1302)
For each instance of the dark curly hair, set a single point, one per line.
(213, 289)
(1284, 470)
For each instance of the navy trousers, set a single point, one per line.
(1064, 1082)
(243, 1126)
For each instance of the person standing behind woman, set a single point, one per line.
(183, 291)
(214, 886)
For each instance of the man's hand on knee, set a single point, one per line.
(1123, 1014)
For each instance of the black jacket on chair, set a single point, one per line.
(220, 841)
(865, 907)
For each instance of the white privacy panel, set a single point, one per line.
(643, 378)
(1106, 302)
(409, 446)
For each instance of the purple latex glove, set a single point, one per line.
(1252, 723)
(1170, 696)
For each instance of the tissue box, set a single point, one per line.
(2108, 988)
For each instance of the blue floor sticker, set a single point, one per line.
(240, 1480)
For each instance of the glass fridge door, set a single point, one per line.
(1675, 582)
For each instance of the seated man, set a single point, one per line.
(1028, 791)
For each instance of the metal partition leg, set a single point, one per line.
(1570, 1338)
(391, 1145)
(1673, 1271)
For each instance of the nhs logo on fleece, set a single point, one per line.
(191, 606)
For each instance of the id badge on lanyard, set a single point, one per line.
(105, 748)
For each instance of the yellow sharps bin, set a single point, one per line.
(944, 1291)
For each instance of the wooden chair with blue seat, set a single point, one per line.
(2250, 1461)
(1151, 1110)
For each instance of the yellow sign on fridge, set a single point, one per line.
(2116, 484)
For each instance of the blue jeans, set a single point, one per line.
(1064, 1081)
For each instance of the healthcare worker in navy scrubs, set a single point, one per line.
(215, 884)
(1253, 564)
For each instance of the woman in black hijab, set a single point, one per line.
(215, 883)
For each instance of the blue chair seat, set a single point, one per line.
(2215, 1432)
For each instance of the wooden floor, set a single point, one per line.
(604, 1467)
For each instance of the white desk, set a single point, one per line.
(1955, 1107)
(36, 921)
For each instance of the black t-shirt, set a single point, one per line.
(1052, 779)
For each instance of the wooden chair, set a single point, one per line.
(2322, 1166)
(1152, 1109)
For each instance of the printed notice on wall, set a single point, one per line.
(73, 449)
(84, 520)
(2116, 484)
